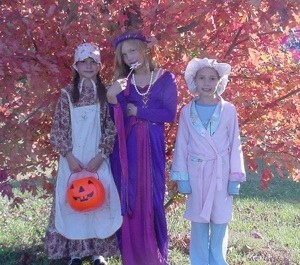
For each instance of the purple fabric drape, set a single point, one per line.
(119, 122)
(141, 220)
(143, 236)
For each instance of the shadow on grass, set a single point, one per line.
(30, 256)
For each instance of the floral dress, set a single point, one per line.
(56, 245)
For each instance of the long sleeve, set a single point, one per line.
(179, 170)
(121, 156)
(237, 167)
(60, 135)
(167, 112)
(108, 132)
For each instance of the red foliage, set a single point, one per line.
(37, 43)
(266, 176)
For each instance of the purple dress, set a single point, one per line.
(138, 165)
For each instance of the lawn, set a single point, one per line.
(265, 229)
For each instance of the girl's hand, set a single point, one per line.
(131, 109)
(74, 164)
(117, 87)
(94, 163)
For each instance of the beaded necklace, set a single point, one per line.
(145, 94)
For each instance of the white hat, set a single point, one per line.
(86, 50)
(196, 64)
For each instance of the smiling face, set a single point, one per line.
(88, 68)
(206, 81)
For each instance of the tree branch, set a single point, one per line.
(275, 102)
(234, 42)
(188, 27)
(171, 200)
(33, 113)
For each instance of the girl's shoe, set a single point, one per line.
(75, 262)
(100, 262)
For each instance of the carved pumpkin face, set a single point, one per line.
(85, 194)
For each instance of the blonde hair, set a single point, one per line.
(121, 70)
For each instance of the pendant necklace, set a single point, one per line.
(145, 95)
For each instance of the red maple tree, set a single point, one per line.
(37, 43)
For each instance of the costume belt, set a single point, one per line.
(218, 169)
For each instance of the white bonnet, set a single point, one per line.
(196, 64)
(86, 50)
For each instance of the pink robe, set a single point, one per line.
(208, 158)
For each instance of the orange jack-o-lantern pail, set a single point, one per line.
(85, 194)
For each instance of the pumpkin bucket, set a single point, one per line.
(85, 194)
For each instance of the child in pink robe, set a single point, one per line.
(208, 161)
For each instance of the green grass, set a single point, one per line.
(265, 229)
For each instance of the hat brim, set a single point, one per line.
(223, 69)
(84, 51)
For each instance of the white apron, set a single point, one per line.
(106, 220)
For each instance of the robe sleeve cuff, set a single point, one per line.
(241, 177)
(179, 175)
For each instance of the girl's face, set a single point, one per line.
(88, 68)
(132, 53)
(206, 81)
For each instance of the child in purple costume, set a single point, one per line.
(143, 98)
